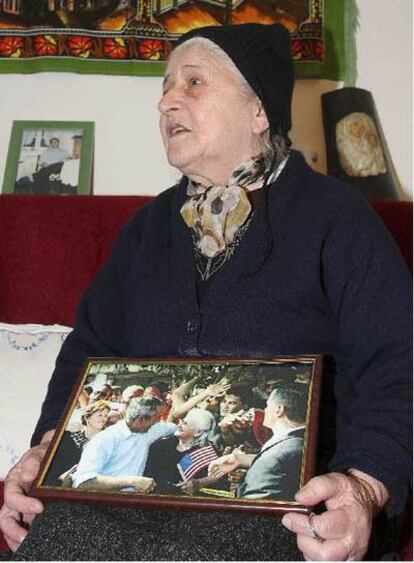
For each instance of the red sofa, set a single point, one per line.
(52, 246)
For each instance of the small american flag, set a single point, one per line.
(192, 463)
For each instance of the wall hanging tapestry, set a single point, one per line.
(135, 36)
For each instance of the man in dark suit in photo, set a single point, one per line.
(274, 473)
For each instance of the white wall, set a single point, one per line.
(128, 150)
(385, 68)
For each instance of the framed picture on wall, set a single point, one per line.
(50, 158)
(205, 434)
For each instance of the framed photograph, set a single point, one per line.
(202, 434)
(50, 158)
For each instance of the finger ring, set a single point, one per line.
(313, 529)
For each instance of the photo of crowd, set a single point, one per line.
(229, 431)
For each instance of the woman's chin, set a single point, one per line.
(179, 161)
(184, 157)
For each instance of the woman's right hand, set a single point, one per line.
(18, 509)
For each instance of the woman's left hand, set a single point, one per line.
(352, 501)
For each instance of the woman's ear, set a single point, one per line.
(260, 121)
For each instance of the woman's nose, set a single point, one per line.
(169, 101)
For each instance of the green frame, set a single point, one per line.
(86, 157)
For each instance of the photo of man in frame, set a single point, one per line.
(49, 162)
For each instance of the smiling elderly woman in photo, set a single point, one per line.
(251, 254)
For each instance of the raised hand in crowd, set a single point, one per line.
(239, 421)
(181, 405)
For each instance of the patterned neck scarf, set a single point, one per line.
(216, 213)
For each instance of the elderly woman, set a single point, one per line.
(250, 254)
(167, 458)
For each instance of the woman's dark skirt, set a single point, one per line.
(79, 532)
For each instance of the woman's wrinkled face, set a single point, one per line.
(186, 431)
(208, 124)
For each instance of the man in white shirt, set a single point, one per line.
(53, 154)
(50, 166)
(115, 458)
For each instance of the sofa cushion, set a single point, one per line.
(28, 354)
(51, 247)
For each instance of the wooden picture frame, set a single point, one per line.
(219, 407)
(50, 158)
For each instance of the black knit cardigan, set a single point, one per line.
(315, 273)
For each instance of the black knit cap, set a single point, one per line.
(262, 55)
